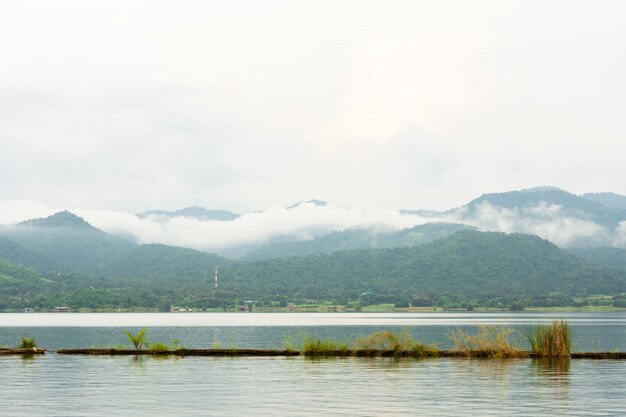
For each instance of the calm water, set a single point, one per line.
(55, 385)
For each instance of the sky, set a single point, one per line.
(126, 106)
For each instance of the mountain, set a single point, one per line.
(572, 205)
(62, 219)
(467, 264)
(165, 262)
(318, 203)
(607, 199)
(564, 218)
(13, 252)
(195, 212)
(465, 267)
(66, 242)
(357, 238)
(19, 285)
(614, 258)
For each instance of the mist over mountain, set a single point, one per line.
(317, 226)
(358, 238)
(195, 212)
(607, 199)
(563, 218)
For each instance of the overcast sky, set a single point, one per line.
(244, 105)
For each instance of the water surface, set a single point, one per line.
(57, 385)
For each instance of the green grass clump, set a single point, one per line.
(550, 341)
(317, 347)
(138, 340)
(400, 343)
(176, 345)
(28, 343)
(493, 341)
(158, 347)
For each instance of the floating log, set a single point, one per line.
(182, 352)
(20, 351)
(330, 353)
(598, 355)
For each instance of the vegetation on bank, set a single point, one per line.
(550, 341)
(139, 339)
(27, 343)
(489, 341)
(494, 341)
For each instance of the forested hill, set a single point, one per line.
(66, 243)
(466, 264)
(357, 238)
(80, 266)
(575, 206)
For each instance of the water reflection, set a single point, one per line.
(554, 370)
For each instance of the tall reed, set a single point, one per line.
(550, 341)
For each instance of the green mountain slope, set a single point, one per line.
(164, 262)
(357, 238)
(73, 245)
(19, 285)
(13, 252)
(468, 264)
(614, 258)
(572, 205)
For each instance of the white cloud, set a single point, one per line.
(548, 221)
(307, 220)
(300, 223)
(620, 240)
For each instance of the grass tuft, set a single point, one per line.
(159, 347)
(318, 347)
(493, 341)
(550, 341)
(401, 343)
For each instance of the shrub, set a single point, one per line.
(28, 343)
(138, 340)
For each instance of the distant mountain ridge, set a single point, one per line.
(607, 199)
(318, 203)
(60, 219)
(194, 212)
(355, 239)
